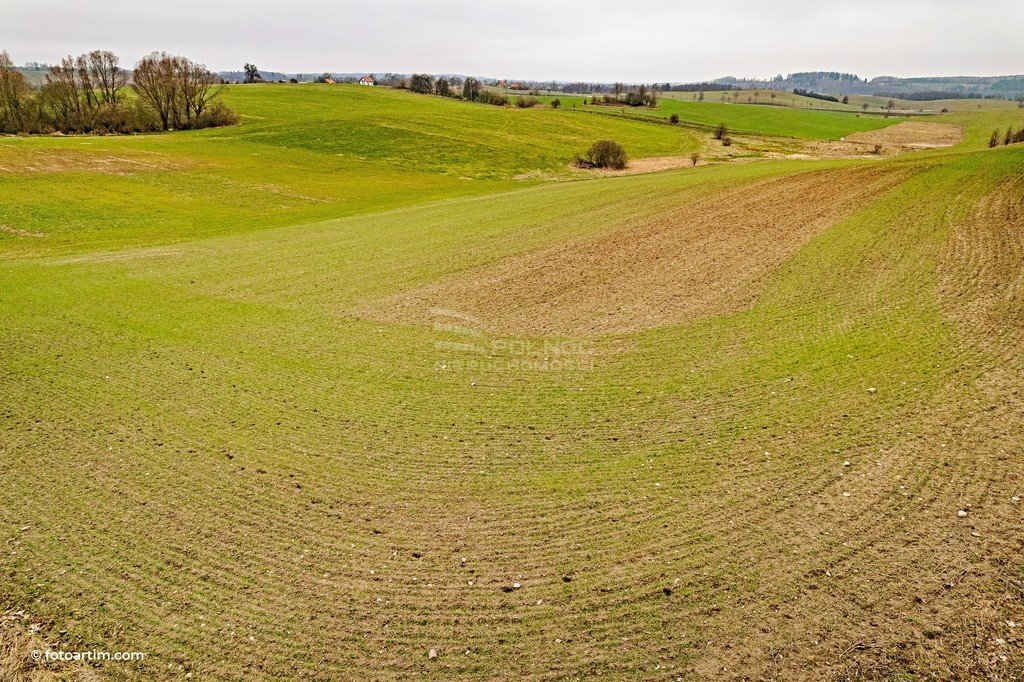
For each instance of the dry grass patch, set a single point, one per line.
(651, 164)
(19, 233)
(18, 646)
(24, 161)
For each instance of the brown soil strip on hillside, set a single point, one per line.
(911, 135)
(891, 141)
(651, 164)
(711, 257)
(39, 161)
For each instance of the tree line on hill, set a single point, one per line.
(621, 95)
(474, 90)
(470, 89)
(92, 93)
(457, 84)
(930, 95)
(815, 95)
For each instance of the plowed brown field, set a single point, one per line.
(711, 257)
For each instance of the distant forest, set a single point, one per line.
(820, 82)
(829, 83)
(941, 87)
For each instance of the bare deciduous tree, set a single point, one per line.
(198, 87)
(84, 94)
(14, 91)
(156, 83)
(107, 76)
(176, 88)
(60, 94)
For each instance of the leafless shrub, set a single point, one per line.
(604, 154)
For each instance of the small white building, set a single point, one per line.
(366, 80)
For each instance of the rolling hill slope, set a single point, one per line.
(302, 153)
(708, 423)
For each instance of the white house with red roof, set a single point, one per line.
(366, 80)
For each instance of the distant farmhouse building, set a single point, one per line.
(328, 80)
(502, 84)
(366, 80)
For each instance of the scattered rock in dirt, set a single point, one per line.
(432, 653)
(872, 390)
(962, 513)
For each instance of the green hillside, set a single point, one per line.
(276, 405)
(757, 119)
(302, 153)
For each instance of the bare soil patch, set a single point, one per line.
(891, 141)
(651, 164)
(711, 257)
(911, 135)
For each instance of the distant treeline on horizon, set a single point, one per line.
(1009, 87)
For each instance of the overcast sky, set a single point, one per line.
(597, 40)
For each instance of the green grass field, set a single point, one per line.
(268, 415)
(355, 151)
(742, 117)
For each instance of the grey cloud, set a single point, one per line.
(638, 40)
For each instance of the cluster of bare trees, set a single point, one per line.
(639, 96)
(425, 84)
(14, 93)
(92, 93)
(84, 92)
(178, 90)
